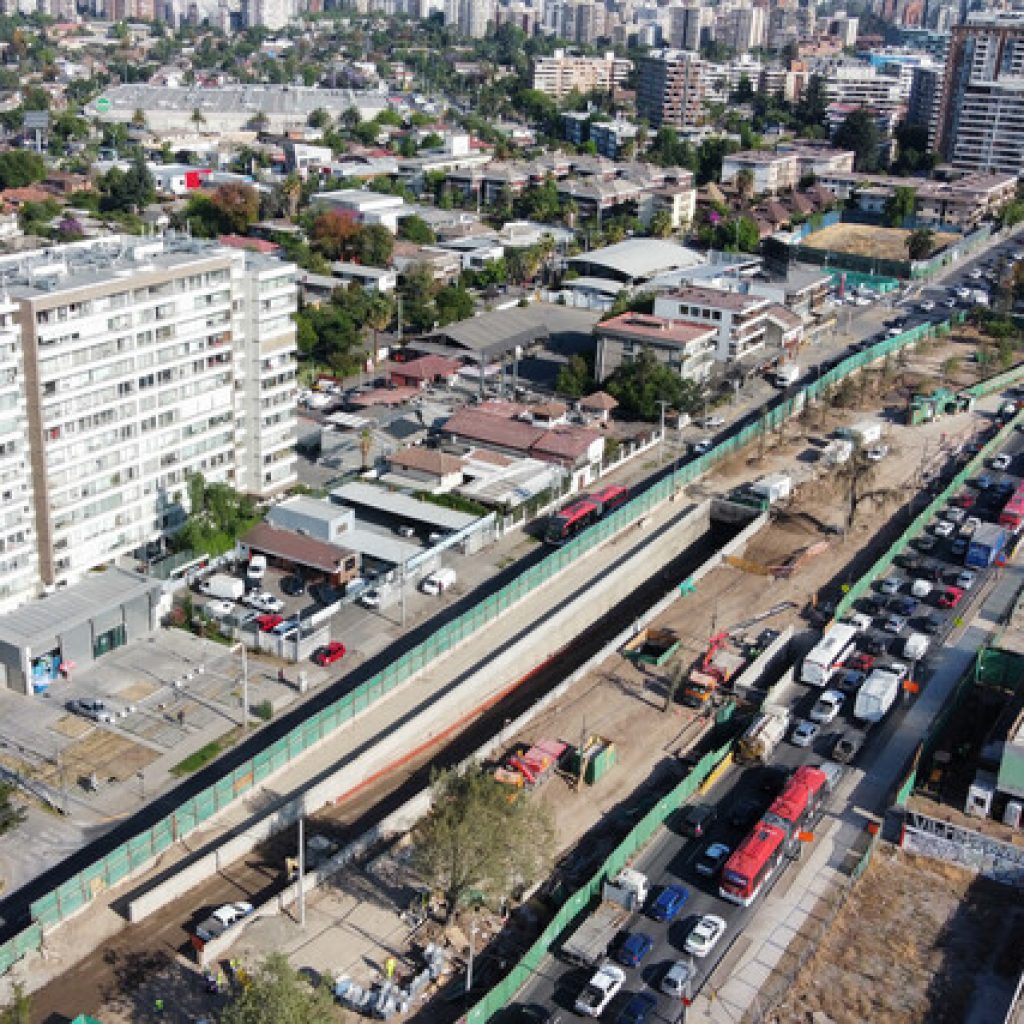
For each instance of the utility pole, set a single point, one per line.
(661, 443)
(401, 587)
(469, 965)
(302, 872)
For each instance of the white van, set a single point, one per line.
(438, 582)
(257, 568)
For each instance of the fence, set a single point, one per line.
(134, 856)
(580, 900)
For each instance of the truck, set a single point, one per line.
(652, 646)
(775, 487)
(865, 433)
(836, 452)
(834, 648)
(763, 735)
(621, 896)
(786, 375)
(717, 668)
(987, 544)
(222, 586)
(877, 694)
(915, 647)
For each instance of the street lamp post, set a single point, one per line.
(661, 442)
(469, 964)
(245, 686)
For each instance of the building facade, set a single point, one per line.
(146, 362)
(669, 90)
(559, 74)
(981, 117)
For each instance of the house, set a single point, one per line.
(599, 405)
(424, 469)
(429, 369)
(684, 346)
(298, 552)
(770, 173)
(548, 414)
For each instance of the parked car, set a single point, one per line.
(927, 306)
(1002, 462)
(862, 662)
(602, 988)
(329, 653)
(905, 606)
(955, 515)
(925, 543)
(827, 707)
(921, 588)
(944, 528)
(293, 586)
(635, 947)
(263, 601)
(370, 598)
(668, 903)
(877, 453)
(697, 819)
(712, 423)
(895, 624)
(950, 597)
(219, 609)
(930, 624)
(268, 623)
(405, 530)
(850, 680)
(222, 919)
(710, 862)
(804, 733)
(890, 585)
(959, 547)
(90, 707)
(257, 568)
(705, 935)
(966, 579)
(702, 446)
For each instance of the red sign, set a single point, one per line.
(805, 837)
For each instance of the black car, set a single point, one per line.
(930, 623)
(905, 606)
(931, 571)
(869, 605)
(871, 644)
(744, 812)
(293, 585)
(697, 820)
(324, 593)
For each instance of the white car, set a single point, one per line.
(877, 453)
(899, 669)
(713, 423)
(600, 990)
(927, 306)
(966, 579)
(220, 609)
(222, 919)
(890, 585)
(370, 598)
(921, 588)
(976, 274)
(944, 528)
(963, 294)
(827, 707)
(702, 446)
(954, 514)
(264, 601)
(804, 733)
(1002, 462)
(860, 621)
(257, 567)
(705, 935)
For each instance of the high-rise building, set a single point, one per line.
(981, 118)
(743, 28)
(669, 89)
(145, 362)
(688, 25)
(470, 17)
(925, 101)
(562, 72)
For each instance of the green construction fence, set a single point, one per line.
(580, 901)
(132, 856)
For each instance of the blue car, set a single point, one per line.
(669, 902)
(638, 1009)
(634, 949)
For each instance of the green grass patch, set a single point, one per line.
(204, 755)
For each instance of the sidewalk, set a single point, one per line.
(863, 797)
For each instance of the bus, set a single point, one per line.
(752, 863)
(833, 649)
(776, 834)
(1012, 515)
(586, 509)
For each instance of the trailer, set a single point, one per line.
(763, 735)
(588, 945)
(652, 646)
(986, 546)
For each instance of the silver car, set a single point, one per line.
(677, 981)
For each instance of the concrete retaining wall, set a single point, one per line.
(445, 713)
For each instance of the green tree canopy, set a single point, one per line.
(375, 245)
(919, 243)
(641, 384)
(859, 132)
(900, 206)
(481, 838)
(574, 377)
(278, 994)
(20, 167)
(416, 229)
(453, 303)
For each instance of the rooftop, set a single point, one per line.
(427, 460)
(640, 257)
(296, 547)
(408, 508)
(718, 298)
(661, 329)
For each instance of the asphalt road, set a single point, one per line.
(670, 858)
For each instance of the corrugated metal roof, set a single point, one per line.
(56, 614)
(408, 508)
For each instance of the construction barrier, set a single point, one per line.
(580, 901)
(137, 854)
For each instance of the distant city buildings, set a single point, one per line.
(670, 88)
(562, 72)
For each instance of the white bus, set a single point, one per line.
(835, 647)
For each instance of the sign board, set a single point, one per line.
(911, 687)
(102, 105)
(805, 837)
(35, 120)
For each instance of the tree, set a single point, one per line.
(813, 105)
(641, 384)
(745, 182)
(418, 287)
(453, 303)
(480, 838)
(19, 1009)
(334, 233)
(238, 206)
(197, 117)
(574, 377)
(379, 311)
(748, 237)
(319, 118)
(416, 229)
(278, 994)
(900, 205)
(859, 132)
(661, 224)
(374, 245)
(919, 243)
(20, 167)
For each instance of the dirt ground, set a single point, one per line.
(867, 240)
(917, 942)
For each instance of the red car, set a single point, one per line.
(334, 651)
(861, 662)
(966, 500)
(950, 597)
(268, 622)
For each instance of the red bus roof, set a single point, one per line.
(609, 492)
(1013, 510)
(755, 851)
(799, 793)
(581, 507)
(813, 778)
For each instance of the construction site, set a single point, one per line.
(598, 753)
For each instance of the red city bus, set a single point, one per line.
(1012, 515)
(576, 516)
(752, 864)
(609, 498)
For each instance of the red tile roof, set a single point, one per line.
(557, 444)
(427, 368)
(295, 547)
(566, 442)
(599, 400)
(426, 460)
(658, 328)
(253, 244)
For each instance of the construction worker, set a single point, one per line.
(389, 967)
(158, 1005)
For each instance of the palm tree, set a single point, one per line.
(379, 312)
(197, 117)
(139, 119)
(366, 446)
(291, 189)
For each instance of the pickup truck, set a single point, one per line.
(620, 897)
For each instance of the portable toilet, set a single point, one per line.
(980, 795)
(1012, 814)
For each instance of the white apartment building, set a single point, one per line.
(771, 173)
(19, 561)
(560, 73)
(145, 362)
(739, 319)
